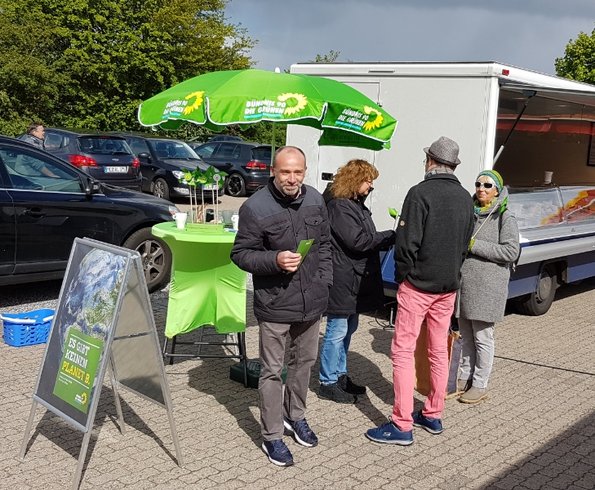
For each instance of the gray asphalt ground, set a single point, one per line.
(535, 431)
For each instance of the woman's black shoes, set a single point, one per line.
(335, 393)
(350, 387)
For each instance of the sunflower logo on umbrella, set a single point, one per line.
(294, 103)
(198, 98)
(370, 125)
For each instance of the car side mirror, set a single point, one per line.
(92, 187)
(144, 156)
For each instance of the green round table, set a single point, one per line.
(207, 288)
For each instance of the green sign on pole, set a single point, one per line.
(78, 368)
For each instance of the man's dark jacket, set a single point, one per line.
(270, 223)
(433, 234)
(357, 281)
(32, 140)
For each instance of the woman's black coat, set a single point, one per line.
(357, 281)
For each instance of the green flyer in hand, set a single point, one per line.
(304, 247)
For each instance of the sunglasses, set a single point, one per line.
(485, 185)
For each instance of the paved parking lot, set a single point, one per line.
(537, 430)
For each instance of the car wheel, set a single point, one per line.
(235, 185)
(155, 257)
(539, 301)
(160, 189)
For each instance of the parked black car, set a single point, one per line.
(225, 137)
(248, 165)
(163, 162)
(105, 157)
(41, 216)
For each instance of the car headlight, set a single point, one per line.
(173, 210)
(178, 174)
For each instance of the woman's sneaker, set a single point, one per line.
(301, 432)
(389, 433)
(335, 393)
(350, 387)
(277, 452)
(433, 426)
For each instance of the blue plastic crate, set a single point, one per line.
(27, 328)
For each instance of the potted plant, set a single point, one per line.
(210, 179)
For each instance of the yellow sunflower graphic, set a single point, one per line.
(196, 104)
(369, 125)
(294, 103)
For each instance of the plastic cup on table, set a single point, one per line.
(181, 220)
(235, 219)
(226, 215)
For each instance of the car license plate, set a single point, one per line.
(210, 187)
(115, 170)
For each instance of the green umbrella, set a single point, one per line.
(346, 116)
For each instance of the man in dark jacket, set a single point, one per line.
(35, 136)
(432, 241)
(290, 293)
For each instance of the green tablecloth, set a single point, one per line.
(207, 288)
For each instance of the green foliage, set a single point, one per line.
(89, 63)
(263, 133)
(578, 62)
(198, 177)
(329, 57)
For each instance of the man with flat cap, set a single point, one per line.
(432, 239)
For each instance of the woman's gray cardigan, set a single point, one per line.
(486, 270)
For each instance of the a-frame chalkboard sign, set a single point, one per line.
(104, 319)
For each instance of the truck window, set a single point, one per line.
(552, 135)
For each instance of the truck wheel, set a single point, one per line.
(539, 301)
(235, 185)
(155, 257)
(160, 189)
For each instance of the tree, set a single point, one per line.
(578, 62)
(329, 57)
(89, 63)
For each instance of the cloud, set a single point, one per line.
(529, 33)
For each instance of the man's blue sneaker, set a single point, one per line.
(277, 452)
(433, 426)
(301, 432)
(389, 433)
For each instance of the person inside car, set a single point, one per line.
(34, 136)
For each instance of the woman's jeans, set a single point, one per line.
(478, 351)
(333, 356)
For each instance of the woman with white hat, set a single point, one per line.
(494, 246)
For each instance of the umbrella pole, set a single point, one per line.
(273, 145)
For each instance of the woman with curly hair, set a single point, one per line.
(357, 281)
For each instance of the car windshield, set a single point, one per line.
(177, 150)
(103, 145)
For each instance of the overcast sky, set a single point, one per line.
(525, 33)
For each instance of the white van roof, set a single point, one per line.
(480, 69)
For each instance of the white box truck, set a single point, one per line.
(517, 121)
